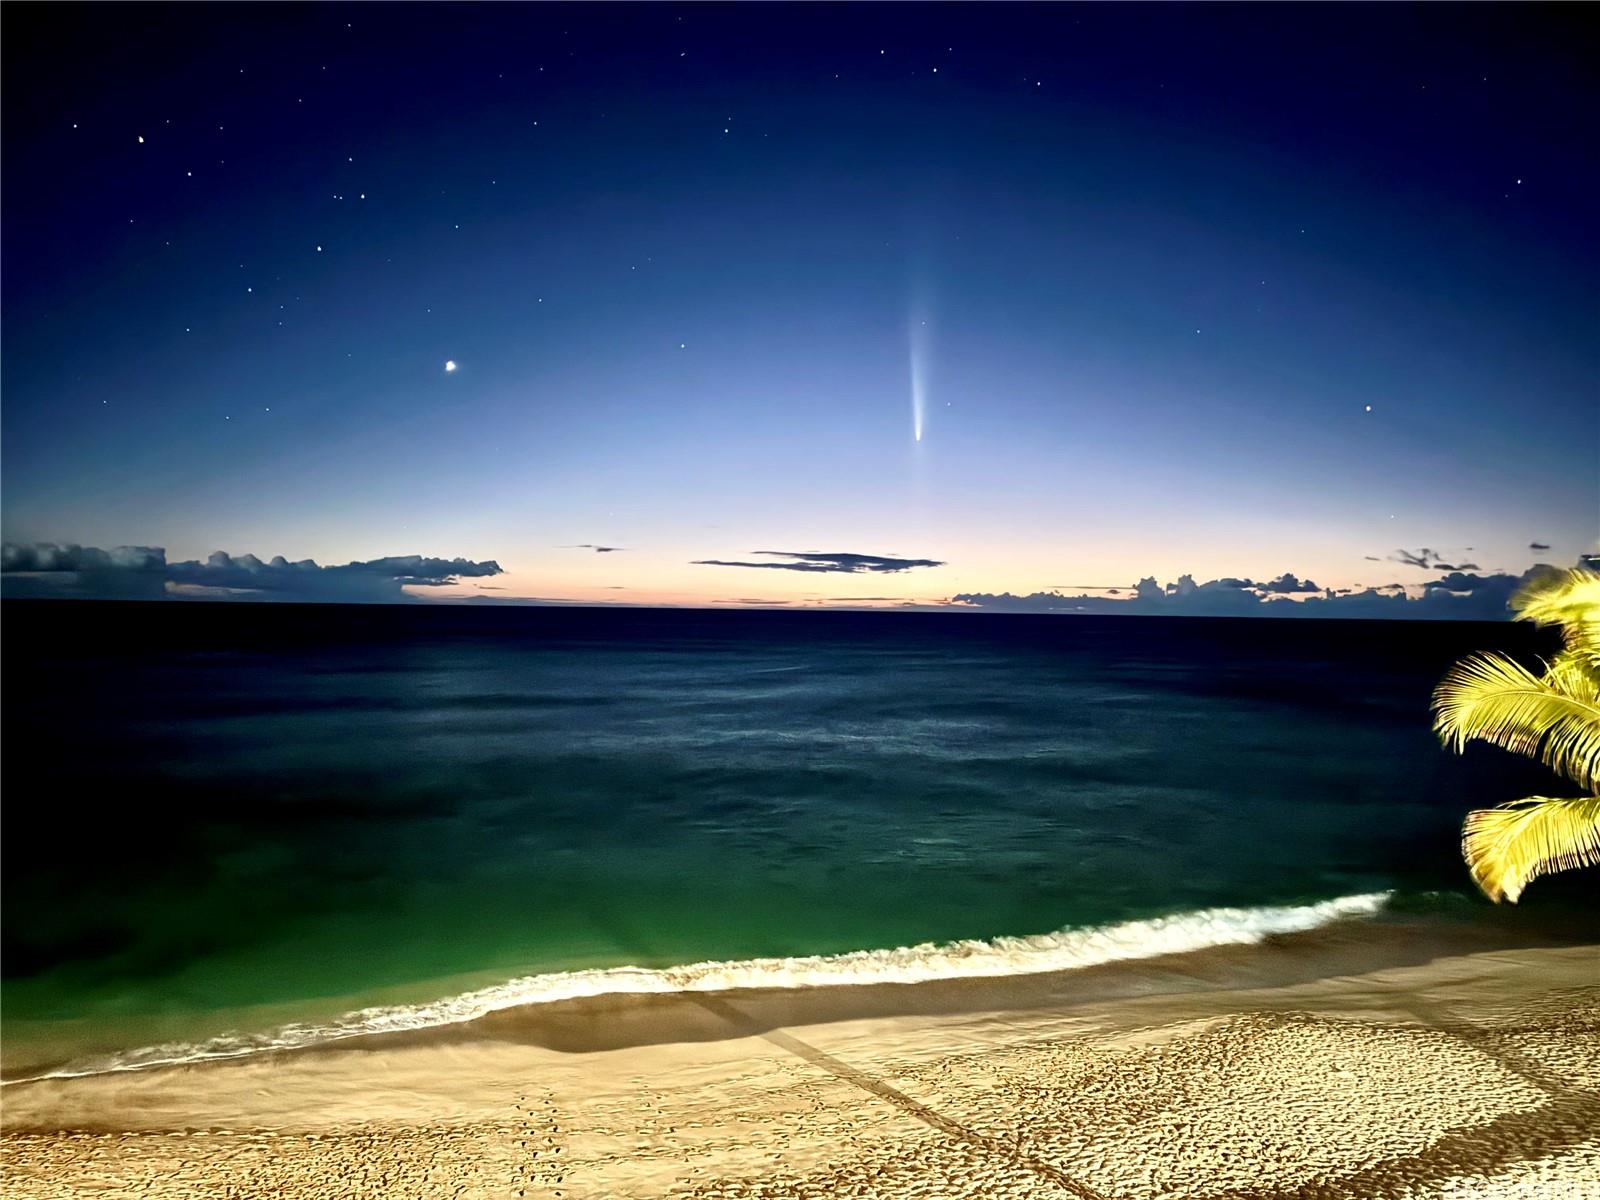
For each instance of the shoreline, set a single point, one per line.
(1366, 1062)
(610, 1007)
(820, 983)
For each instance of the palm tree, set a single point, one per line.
(1554, 717)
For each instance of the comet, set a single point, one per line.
(919, 375)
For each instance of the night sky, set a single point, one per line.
(1227, 292)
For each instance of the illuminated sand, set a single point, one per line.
(1469, 1076)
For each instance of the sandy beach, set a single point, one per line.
(1468, 1075)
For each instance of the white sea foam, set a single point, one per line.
(1004, 956)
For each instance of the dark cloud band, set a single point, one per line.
(834, 562)
(1456, 595)
(143, 572)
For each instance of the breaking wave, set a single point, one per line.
(1003, 956)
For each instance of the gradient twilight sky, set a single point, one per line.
(1166, 257)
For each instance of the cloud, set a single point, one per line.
(1428, 560)
(46, 556)
(841, 563)
(46, 569)
(1457, 581)
(1286, 584)
(1537, 546)
(596, 549)
(1458, 595)
(143, 573)
(1424, 558)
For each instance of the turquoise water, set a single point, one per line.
(219, 815)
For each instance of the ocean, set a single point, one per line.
(237, 827)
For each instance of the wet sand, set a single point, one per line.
(1291, 1070)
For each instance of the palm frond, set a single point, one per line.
(1508, 847)
(1571, 674)
(1570, 599)
(1555, 596)
(1495, 699)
